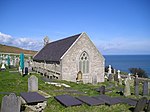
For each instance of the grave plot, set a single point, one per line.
(68, 100)
(128, 101)
(32, 97)
(91, 101)
(107, 99)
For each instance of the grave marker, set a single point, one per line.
(32, 83)
(11, 103)
(127, 87)
(145, 88)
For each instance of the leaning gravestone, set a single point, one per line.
(145, 88)
(127, 88)
(136, 85)
(11, 103)
(32, 83)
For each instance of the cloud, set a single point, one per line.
(124, 46)
(25, 43)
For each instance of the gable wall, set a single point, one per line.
(70, 61)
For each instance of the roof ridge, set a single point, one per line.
(64, 38)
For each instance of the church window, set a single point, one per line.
(84, 63)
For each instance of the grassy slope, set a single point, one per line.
(13, 82)
(11, 49)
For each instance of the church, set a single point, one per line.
(74, 58)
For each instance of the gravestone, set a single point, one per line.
(129, 76)
(11, 103)
(116, 77)
(110, 77)
(26, 70)
(119, 77)
(114, 71)
(127, 88)
(102, 90)
(3, 67)
(136, 86)
(149, 87)
(145, 88)
(32, 83)
(109, 69)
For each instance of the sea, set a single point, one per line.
(124, 62)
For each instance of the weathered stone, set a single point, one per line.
(110, 77)
(116, 77)
(145, 88)
(140, 105)
(109, 69)
(102, 90)
(127, 88)
(33, 83)
(136, 86)
(11, 103)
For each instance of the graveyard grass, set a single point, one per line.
(14, 82)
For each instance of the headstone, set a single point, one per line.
(129, 76)
(145, 88)
(109, 69)
(110, 77)
(114, 71)
(136, 86)
(149, 87)
(127, 88)
(79, 76)
(102, 90)
(119, 77)
(3, 67)
(32, 83)
(94, 79)
(116, 77)
(11, 103)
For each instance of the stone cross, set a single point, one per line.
(127, 88)
(32, 83)
(145, 88)
(11, 103)
(136, 85)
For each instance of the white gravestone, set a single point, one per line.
(109, 69)
(32, 83)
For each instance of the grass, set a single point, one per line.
(14, 82)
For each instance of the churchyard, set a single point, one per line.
(12, 81)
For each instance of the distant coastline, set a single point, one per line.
(124, 62)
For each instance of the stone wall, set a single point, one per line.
(70, 61)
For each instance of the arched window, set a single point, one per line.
(84, 63)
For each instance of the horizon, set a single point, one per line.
(115, 27)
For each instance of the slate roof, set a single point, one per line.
(53, 51)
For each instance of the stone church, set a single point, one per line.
(73, 58)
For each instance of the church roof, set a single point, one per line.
(52, 52)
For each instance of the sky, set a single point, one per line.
(114, 26)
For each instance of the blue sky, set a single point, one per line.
(114, 26)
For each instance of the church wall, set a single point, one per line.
(70, 61)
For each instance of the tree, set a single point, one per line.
(140, 72)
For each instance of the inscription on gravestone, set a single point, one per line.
(32, 83)
(11, 103)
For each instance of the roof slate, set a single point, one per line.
(53, 51)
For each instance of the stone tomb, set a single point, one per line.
(32, 83)
(11, 103)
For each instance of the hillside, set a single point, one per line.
(11, 49)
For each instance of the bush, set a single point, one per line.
(140, 72)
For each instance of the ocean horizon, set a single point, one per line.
(124, 62)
